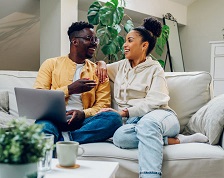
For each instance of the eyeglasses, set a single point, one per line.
(92, 39)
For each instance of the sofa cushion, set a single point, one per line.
(11, 79)
(189, 91)
(209, 120)
(4, 101)
(193, 156)
(5, 118)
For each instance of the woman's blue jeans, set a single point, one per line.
(94, 129)
(148, 133)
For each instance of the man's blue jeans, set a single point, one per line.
(94, 129)
(148, 133)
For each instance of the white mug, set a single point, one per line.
(67, 152)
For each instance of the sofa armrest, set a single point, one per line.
(222, 139)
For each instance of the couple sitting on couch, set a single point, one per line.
(140, 91)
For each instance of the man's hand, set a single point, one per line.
(101, 71)
(76, 120)
(81, 86)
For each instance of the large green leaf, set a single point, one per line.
(113, 47)
(99, 26)
(115, 2)
(128, 26)
(103, 36)
(165, 32)
(161, 41)
(109, 48)
(110, 14)
(118, 15)
(118, 28)
(106, 14)
(106, 34)
(119, 42)
(112, 58)
(93, 13)
(112, 32)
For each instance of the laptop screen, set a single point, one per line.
(41, 104)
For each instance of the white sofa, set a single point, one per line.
(189, 91)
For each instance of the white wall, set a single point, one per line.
(20, 28)
(158, 8)
(20, 39)
(25, 6)
(19, 34)
(55, 18)
(20, 31)
(82, 15)
(205, 21)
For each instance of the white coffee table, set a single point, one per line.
(87, 169)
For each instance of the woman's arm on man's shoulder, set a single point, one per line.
(107, 70)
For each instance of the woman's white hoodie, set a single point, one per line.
(140, 89)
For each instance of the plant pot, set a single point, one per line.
(18, 170)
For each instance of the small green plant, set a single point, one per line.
(22, 143)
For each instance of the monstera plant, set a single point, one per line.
(160, 44)
(109, 19)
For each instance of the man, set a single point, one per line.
(84, 94)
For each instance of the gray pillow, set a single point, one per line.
(4, 101)
(5, 119)
(209, 120)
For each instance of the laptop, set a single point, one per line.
(41, 104)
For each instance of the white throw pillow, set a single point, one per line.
(209, 120)
(189, 91)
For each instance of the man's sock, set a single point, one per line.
(197, 137)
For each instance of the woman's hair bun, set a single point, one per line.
(153, 25)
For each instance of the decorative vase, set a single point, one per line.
(18, 170)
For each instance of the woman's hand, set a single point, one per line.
(101, 71)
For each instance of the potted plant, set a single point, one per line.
(109, 18)
(21, 147)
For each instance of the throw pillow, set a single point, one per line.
(4, 101)
(5, 118)
(209, 120)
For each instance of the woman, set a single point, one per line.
(141, 92)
